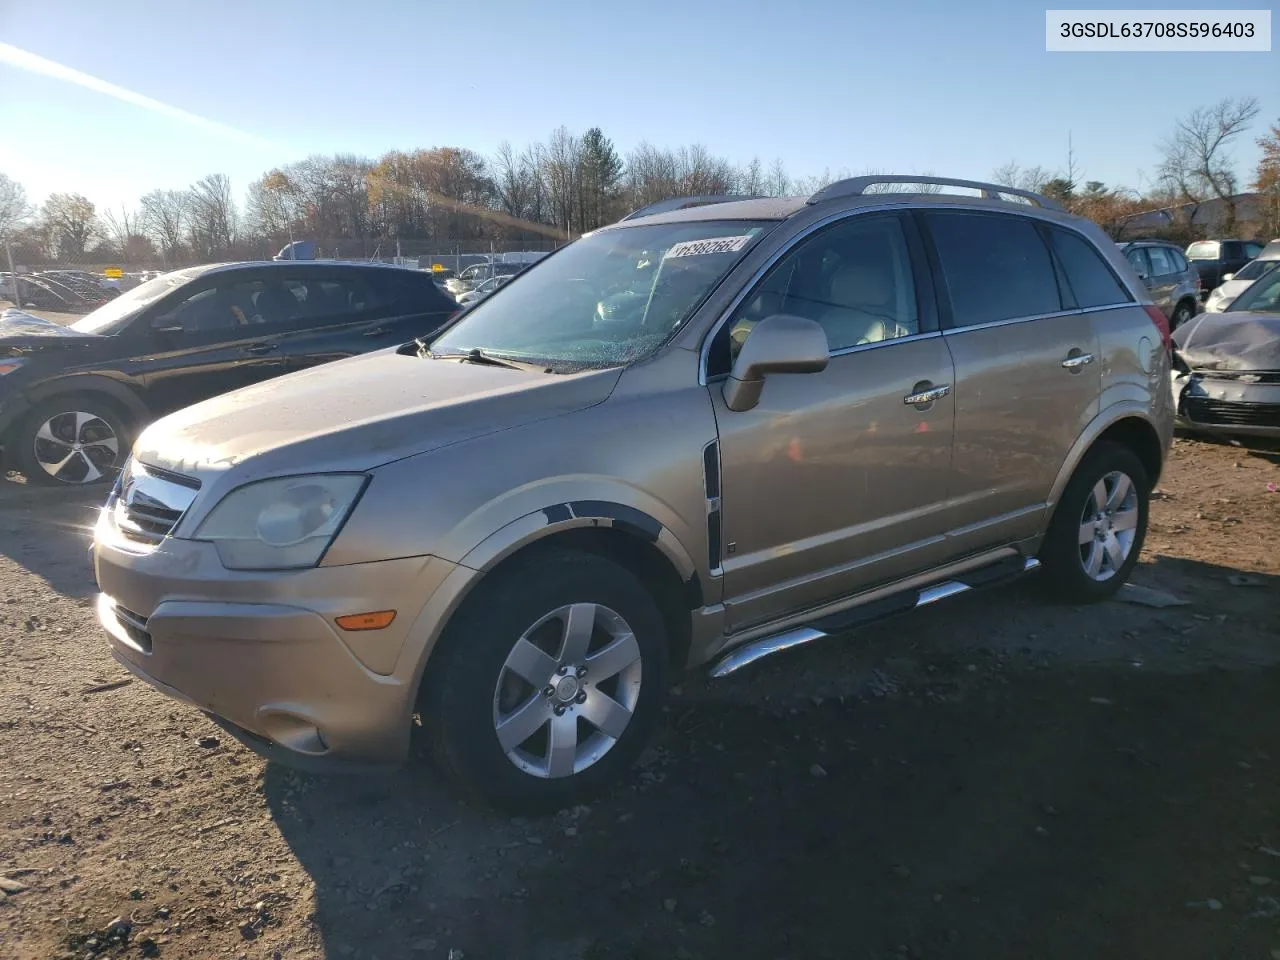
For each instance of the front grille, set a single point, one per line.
(147, 503)
(135, 625)
(1202, 410)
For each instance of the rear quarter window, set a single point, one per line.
(1091, 280)
(1203, 250)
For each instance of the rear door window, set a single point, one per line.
(996, 267)
(1091, 280)
(1161, 263)
(323, 300)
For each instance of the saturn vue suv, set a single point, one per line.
(695, 437)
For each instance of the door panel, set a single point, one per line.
(1027, 364)
(211, 342)
(1018, 412)
(833, 482)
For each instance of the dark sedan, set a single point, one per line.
(72, 398)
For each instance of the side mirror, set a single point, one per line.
(1227, 276)
(782, 343)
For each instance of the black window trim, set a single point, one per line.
(945, 311)
(917, 254)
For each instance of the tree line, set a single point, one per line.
(441, 198)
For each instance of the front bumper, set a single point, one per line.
(261, 651)
(1227, 405)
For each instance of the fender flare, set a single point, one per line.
(434, 617)
(92, 383)
(559, 517)
(1121, 410)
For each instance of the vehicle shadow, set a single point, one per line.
(967, 804)
(47, 530)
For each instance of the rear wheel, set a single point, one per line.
(1184, 312)
(548, 684)
(1098, 527)
(74, 440)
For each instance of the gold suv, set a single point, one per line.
(709, 432)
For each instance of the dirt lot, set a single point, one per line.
(994, 778)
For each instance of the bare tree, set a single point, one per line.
(119, 228)
(777, 183)
(212, 220)
(164, 217)
(1197, 164)
(14, 208)
(1012, 175)
(751, 178)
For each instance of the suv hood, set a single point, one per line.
(28, 332)
(359, 413)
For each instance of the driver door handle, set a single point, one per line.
(927, 396)
(1076, 361)
(257, 349)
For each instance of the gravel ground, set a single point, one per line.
(996, 777)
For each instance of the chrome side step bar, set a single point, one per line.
(754, 650)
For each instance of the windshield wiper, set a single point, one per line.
(476, 355)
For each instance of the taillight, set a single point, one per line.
(1160, 320)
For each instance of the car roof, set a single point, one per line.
(780, 208)
(210, 268)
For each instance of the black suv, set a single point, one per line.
(1213, 258)
(72, 398)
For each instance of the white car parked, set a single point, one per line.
(1234, 284)
(479, 293)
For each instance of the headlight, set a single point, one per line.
(281, 524)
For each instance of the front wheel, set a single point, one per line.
(547, 686)
(73, 440)
(1098, 527)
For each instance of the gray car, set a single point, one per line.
(1226, 377)
(696, 437)
(1173, 283)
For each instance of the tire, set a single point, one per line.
(1184, 312)
(84, 433)
(488, 665)
(1085, 572)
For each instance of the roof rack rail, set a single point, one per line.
(857, 186)
(1148, 240)
(681, 203)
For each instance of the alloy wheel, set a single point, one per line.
(76, 447)
(1108, 526)
(567, 690)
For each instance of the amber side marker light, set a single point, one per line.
(367, 621)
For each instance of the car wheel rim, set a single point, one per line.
(76, 447)
(567, 691)
(1181, 315)
(1108, 526)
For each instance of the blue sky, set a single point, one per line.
(954, 89)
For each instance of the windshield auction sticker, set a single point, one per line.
(694, 248)
(1183, 31)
